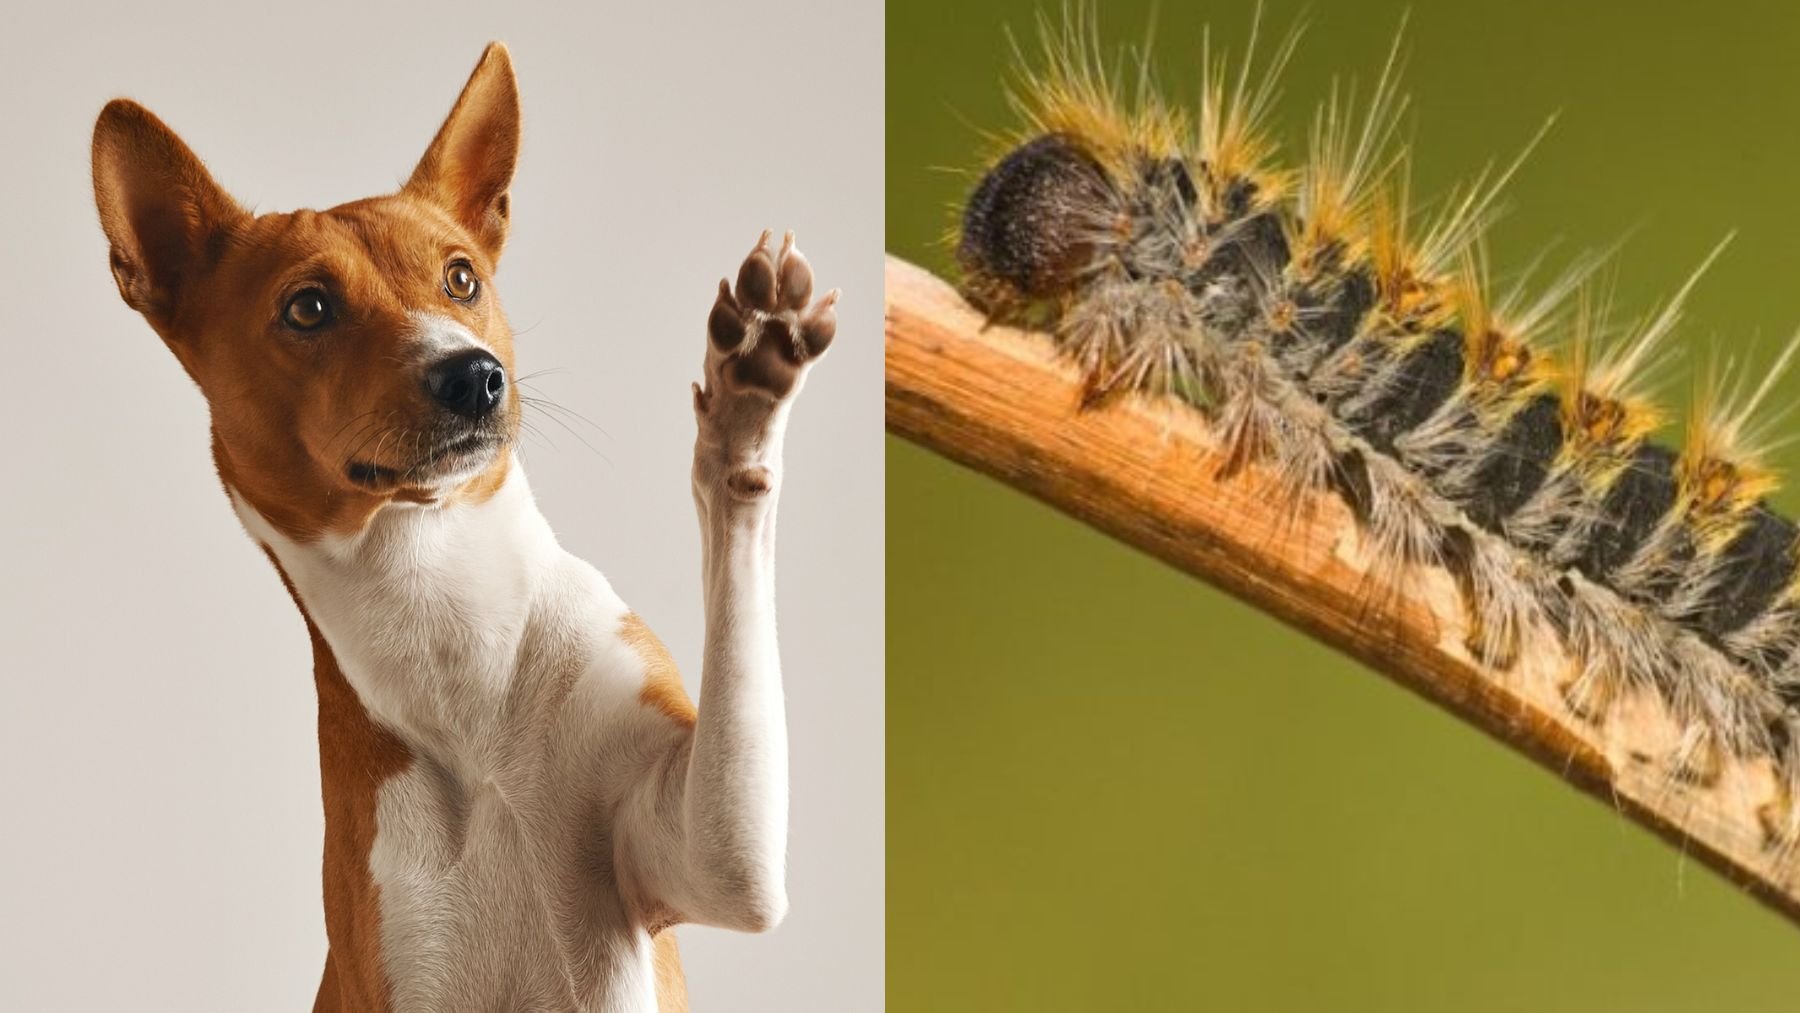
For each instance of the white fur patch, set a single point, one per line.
(437, 336)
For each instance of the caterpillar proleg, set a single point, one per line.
(1338, 339)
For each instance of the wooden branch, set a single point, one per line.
(998, 401)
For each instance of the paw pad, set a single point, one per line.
(751, 482)
(765, 331)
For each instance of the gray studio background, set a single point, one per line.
(159, 814)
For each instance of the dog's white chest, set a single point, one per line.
(495, 658)
(492, 897)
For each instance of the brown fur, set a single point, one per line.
(671, 986)
(662, 681)
(355, 757)
(292, 411)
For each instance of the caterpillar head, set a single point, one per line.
(1032, 224)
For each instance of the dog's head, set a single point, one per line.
(351, 357)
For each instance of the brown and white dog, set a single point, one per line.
(520, 800)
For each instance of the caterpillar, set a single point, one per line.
(1348, 344)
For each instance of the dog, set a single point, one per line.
(520, 799)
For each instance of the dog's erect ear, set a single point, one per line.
(469, 166)
(163, 214)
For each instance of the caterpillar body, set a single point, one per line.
(1345, 347)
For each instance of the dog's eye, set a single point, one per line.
(460, 282)
(307, 310)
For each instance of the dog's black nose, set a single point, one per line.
(468, 383)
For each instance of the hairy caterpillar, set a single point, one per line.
(1346, 345)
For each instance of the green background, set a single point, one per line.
(1111, 787)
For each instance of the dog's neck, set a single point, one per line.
(426, 609)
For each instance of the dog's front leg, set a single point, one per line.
(721, 802)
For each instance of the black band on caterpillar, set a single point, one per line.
(1517, 463)
(1400, 387)
(1643, 495)
(1753, 571)
(1346, 352)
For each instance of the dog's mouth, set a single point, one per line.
(459, 456)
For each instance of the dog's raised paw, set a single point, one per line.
(765, 333)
